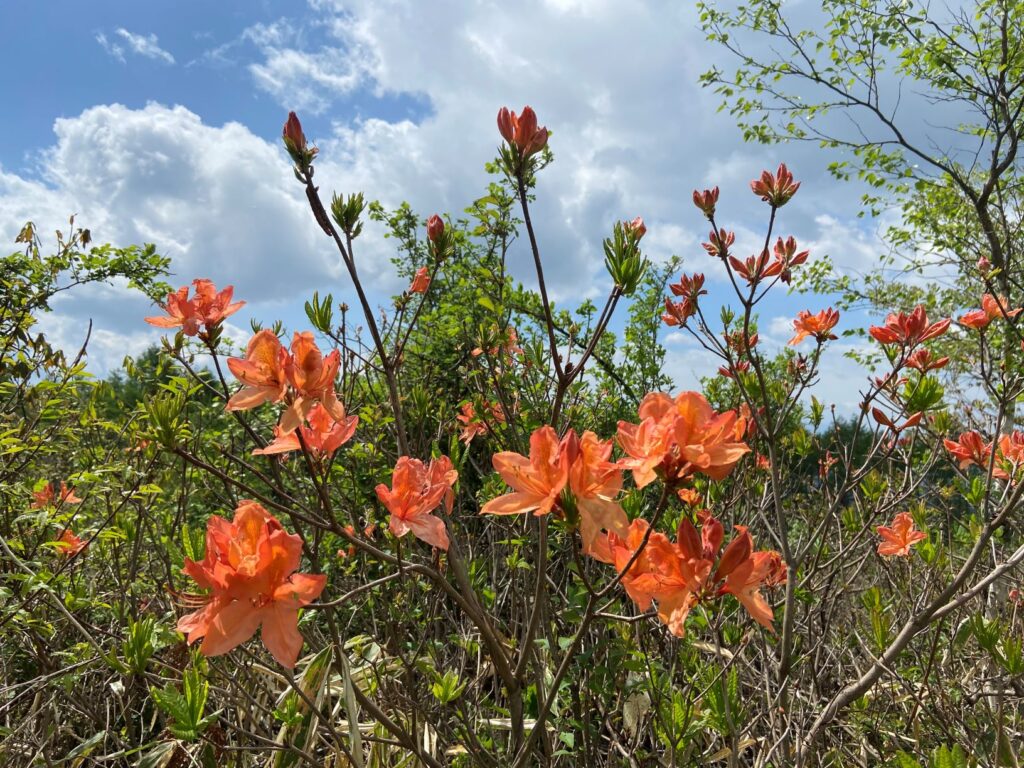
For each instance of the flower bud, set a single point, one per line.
(435, 227)
(295, 142)
(706, 201)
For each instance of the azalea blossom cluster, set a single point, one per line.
(575, 478)
(474, 424)
(679, 437)
(250, 571)
(992, 308)
(680, 575)
(301, 376)
(571, 476)
(199, 315)
(971, 448)
(48, 496)
(417, 489)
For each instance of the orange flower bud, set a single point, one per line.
(435, 227)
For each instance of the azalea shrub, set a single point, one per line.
(476, 528)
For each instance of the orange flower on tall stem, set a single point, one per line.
(323, 436)
(250, 569)
(819, 325)
(908, 330)
(68, 544)
(537, 481)
(262, 371)
(416, 491)
(680, 437)
(207, 307)
(969, 449)
(522, 131)
(48, 496)
(898, 538)
(595, 482)
(992, 308)
(312, 375)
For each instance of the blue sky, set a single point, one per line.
(160, 122)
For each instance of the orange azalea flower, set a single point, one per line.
(991, 309)
(618, 551)
(474, 425)
(47, 496)
(312, 376)
(262, 371)
(976, 319)
(677, 438)
(207, 307)
(923, 361)
(538, 481)
(249, 568)
(969, 449)
(819, 326)
(998, 307)
(595, 482)
(776, 190)
(691, 289)
(68, 544)
(421, 282)
(900, 537)
(323, 436)
(522, 131)
(1011, 456)
(681, 575)
(416, 491)
(908, 330)
(648, 445)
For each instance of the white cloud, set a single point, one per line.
(221, 202)
(633, 134)
(112, 48)
(147, 46)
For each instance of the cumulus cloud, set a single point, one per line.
(220, 201)
(633, 134)
(147, 46)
